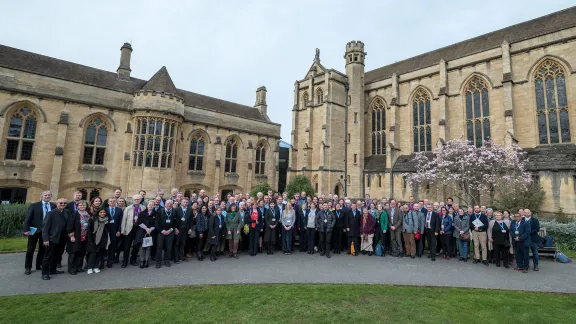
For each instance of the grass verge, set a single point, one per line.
(13, 244)
(295, 303)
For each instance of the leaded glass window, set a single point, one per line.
(421, 116)
(196, 159)
(378, 126)
(477, 111)
(21, 135)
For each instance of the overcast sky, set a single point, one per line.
(227, 49)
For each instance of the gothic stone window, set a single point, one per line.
(551, 103)
(95, 142)
(477, 111)
(305, 99)
(421, 119)
(319, 96)
(196, 161)
(21, 135)
(260, 159)
(231, 156)
(378, 127)
(154, 142)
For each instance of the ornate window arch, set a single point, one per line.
(21, 134)
(305, 99)
(231, 157)
(319, 95)
(377, 107)
(551, 103)
(95, 139)
(197, 146)
(421, 115)
(477, 111)
(260, 158)
(154, 142)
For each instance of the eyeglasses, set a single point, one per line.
(61, 203)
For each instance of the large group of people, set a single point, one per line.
(174, 229)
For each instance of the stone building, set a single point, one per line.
(68, 127)
(515, 85)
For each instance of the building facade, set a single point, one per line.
(68, 127)
(515, 85)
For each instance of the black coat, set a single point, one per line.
(352, 222)
(114, 223)
(91, 246)
(35, 216)
(497, 235)
(434, 222)
(215, 232)
(165, 220)
(534, 229)
(73, 226)
(184, 221)
(54, 225)
(270, 219)
(302, 216)
(339, 218)
(70, 207)
(149, 220)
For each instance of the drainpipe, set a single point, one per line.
(346, 88)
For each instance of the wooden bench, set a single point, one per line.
(546, 251)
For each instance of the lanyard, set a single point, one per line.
(168, 214)
(501, 225)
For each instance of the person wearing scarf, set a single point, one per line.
(271, 219)
(499, 239)
(201, 224)
(146, 225)
(77, 230)
(97, 239)
(234, 224)
(215, 231)
(253, 219)
(367, 232)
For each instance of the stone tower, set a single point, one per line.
(354, 57)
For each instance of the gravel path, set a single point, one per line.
(296, 268)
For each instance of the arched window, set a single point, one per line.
(378, 127)
(95, 142)
(477, 111)
(551, 103)
(260, 159)
(154, 142)
(196, 160)
(421, 118)
(21, 135)
(305, 99)
(231, 156)
(319, 96)
(94, 193)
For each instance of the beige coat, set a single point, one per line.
(490, 225)
(127, 219)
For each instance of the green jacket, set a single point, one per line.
(234, 223)
(383, 220)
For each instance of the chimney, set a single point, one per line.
(124, 68)
(261, 101)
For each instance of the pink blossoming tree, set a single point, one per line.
(472, 171)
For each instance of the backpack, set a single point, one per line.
(548, 241)
(561, 257)
(379, 249)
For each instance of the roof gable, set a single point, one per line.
(161, 82)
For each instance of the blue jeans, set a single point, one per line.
(287, 240)
(463, 248)
(534, 248)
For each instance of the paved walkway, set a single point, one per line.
(296, 268)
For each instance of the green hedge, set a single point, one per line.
(564, 234)
(12, 219)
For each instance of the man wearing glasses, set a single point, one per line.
(52, 228)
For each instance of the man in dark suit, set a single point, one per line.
(72, 206)
(34, 217)
(114, 230)
(534, 237)
(52, 227)
(352, 225)
(184, 223)
(520, 230)
(165, 226)
(431, 229)
(302, 220)
(338, 228)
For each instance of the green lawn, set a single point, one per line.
(13, 244)
(295, 303)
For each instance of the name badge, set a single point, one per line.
(503, 231)
(288, 223)
(517, 232)
(111, 221)
(273, 219)
(219, 226)
(325, 221)
(183, 219)
(167, 221)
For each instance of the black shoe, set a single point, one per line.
(429, 256)
(476, 261)
(506, 265)
(485, 263)
(236, 256)
(158, 265)
(535, 267)
(146, 264)
(412, 257)
(433, 259)
(45, 277)
(39, 268)
(59, 265)
(497, 264)
(328, 255)
(142, 264)
(72, 272)
(28, 271)
(322, 253)
(134, 263)
(213, 259)
(109, 265)
(176, 261)
(124, 264)
(116, 260)
(369, 253)
(55, 272)
(167, 263)
(80, 270)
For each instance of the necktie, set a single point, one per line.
(45, 209)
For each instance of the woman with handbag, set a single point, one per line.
(462, 234)
(201, 227)
(367, 224)
(499, 239)
(144, 236)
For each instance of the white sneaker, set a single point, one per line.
(96, 270)
(90, 271)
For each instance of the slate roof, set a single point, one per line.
(375, 163)
(552, 158)
(404, 163)
(21, 60)
(529, 29)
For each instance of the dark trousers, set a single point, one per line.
(447, 244)
(420, 246)
(280, 239)
(112, 248)
(431, 238)
(164, 243)
(76, 259)
(337, 234)
(34, 240)
(310, 236)
(302, 240)
(94, 258)
(213, 249)
(325, 240)
(501, 251)
(128, 240)
(522, 258)
(287, 240)
(253, 235)
(180, 243)
(61, 248)
(49, 262)
(356, 241)
(396, 241)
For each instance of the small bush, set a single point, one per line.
(298, 184)
(262, 187)
(564, 234)
(12, 219)
(512, 200)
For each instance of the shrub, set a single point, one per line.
(262, 187)
(12, 219)
(564, 234)
(531, 198)
(298, 184)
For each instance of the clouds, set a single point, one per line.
(226, 49)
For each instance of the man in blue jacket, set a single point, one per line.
(520, 230)
(534, 237)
